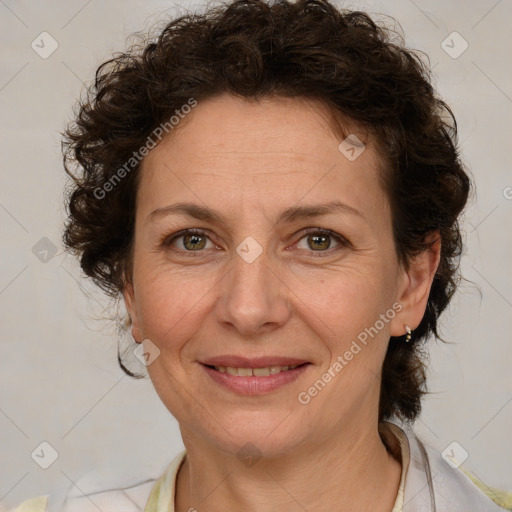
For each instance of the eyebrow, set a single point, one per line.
(289, 215)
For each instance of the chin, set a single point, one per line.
(269, 436)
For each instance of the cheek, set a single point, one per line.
(355, 314)
(334, 303)
(169, 305)
(351, 300)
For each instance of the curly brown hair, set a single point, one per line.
(251, 48)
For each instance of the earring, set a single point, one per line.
(408, 334)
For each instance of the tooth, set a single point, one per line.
(261, 372)
(258, 372)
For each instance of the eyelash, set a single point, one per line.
(168, 240)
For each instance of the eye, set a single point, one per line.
(191, 240)
(319, 240)
(195, 240)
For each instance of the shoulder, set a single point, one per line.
(101, 491)
(33, 505)
(432, 483)
(457, 484)
(127, 499)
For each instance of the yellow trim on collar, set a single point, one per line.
(500, 497)
(37, 504)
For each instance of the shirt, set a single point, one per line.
(427, 484)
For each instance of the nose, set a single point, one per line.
(254, 299)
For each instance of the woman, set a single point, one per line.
(274, 191)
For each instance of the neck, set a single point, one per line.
(353, 473)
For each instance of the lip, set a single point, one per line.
(252, 362)
(255, 385)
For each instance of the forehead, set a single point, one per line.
(275, 149)
(230, 123)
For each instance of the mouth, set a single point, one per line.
(257, 380)
(254, 372)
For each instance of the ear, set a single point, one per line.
(415, 284)
(131, 307)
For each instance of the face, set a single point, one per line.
(266, 276)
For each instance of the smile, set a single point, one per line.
(256, 372)
(254, 381)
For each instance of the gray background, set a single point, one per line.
(59, 379)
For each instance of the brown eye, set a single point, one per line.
(320, 240)
(193, 242)
(190, 240)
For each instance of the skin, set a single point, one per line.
(249, 161)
